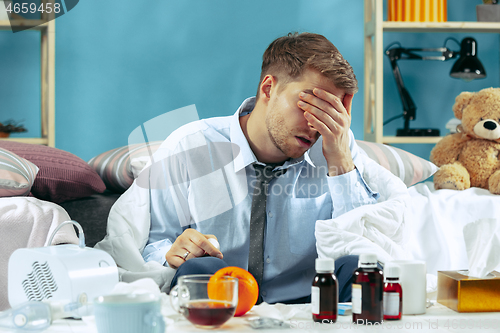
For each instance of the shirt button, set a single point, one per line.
(268, 260)
(263, 293)
(270, 214)
(358, 184)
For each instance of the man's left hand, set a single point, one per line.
(331, 117)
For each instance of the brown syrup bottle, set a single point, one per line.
(367, 291)
(324, 292)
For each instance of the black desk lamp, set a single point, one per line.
(467, 67)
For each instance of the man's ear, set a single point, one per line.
(347, 102)
(267, 87)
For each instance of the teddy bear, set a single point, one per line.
(470, 157)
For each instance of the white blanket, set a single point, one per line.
(381, 228)
(28, 222)
(434, 221)
(439, 217)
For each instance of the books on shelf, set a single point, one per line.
(417, 10)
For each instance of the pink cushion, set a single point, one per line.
(120, 166)
(62, 176)
(410, 168)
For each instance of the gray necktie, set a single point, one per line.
(264, 175)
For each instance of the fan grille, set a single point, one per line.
(40, 283)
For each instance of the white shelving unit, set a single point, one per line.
(375, 26)
(47, 75)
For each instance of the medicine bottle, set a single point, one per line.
(367, 291)
(324, 292)
(393, 294)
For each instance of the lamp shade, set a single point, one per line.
(468, 67)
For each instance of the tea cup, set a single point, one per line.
(205, 303)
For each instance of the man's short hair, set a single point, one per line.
(287, 57)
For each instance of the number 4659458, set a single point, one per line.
(24, 8)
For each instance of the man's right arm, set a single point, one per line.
(171, 235)
(169, 210)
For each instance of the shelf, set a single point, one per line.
(416, 27)
(375, 28)
(413, 139)
(35, 24)
(424, 27)
(38, 141)
(46, 29)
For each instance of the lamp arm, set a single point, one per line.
(446, 54)
(395, 54)
(409, 106)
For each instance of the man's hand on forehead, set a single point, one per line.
(315, 102)
(311, 92)
(330, 115)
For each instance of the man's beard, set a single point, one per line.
(275, 127)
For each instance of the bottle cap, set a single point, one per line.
(367, 260)
(325, 265)
(391, 272)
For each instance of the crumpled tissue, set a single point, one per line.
(482, 242)
(142, 286)
(266, 316)
(282, 311)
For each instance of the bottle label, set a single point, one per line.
(391, 304)
(315, 300)
(356, 298)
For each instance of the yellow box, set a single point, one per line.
(417, 10)
(462, 293)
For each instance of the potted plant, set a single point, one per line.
(10, 127)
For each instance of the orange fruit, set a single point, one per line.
(248, 289)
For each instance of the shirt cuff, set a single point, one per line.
(156, 251)
(349, 191)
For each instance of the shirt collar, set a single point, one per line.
(246, 155)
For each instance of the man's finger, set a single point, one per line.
(330, 120)
(333, 100)
(310, 98)
(204, 244)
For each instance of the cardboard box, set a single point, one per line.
(462, 293)
(488, 13)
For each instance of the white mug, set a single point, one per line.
(413, 281)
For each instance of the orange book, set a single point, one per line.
(411, 10)
(442, 11)
(407, 10)
(415, 11)
(399, 10)
(391, 10)
(433, 11)
(428, 10)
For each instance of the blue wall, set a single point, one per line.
(120, 63)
